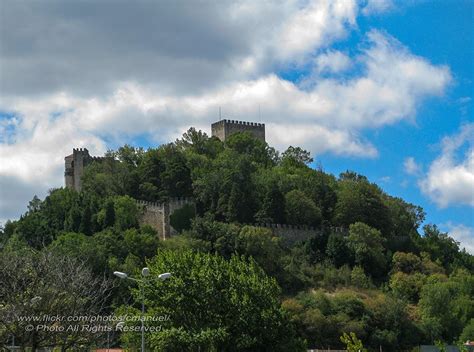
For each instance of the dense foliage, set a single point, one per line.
(381, 278)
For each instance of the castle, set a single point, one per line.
(224, 128)
(158, 215)
(155, 214)
(74, 167)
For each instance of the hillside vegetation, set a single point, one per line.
(236, 286)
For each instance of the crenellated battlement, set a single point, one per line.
(149, 204)
(176, 201)
(80, 150)
(237, 122)
(74, 165)
(157, 214)
(224, 128)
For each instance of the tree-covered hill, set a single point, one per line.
(393, 284)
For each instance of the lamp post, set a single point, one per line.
(145, 273)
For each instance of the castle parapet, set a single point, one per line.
(224, 128)
(157, 214)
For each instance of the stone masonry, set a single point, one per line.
(224, 128)
(74, 167)
(157, 215)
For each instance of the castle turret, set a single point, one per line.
(74, 167)
(224, 128)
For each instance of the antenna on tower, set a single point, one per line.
(259, 114)
(220, 115)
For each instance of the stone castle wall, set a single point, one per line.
(225, 128)
(157, 215)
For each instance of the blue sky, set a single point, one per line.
(379, 87)
(442, 32)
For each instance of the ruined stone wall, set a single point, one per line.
(153, 214)
(69, 171)
(218, 130)
(81, 158)
(157, 215)
(225, 128)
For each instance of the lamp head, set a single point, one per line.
(145, 272)
(164, 276)
(120, 274)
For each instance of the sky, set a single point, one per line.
(380, 87)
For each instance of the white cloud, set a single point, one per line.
(316, 25)
(333, 62)
(377, 6)
(411, 166)
(87, 48)
(450, 178)
(176, 68)
(462, 234)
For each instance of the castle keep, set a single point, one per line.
(74, 167)
(224, 128)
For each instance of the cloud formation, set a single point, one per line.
(93, 75)
(462, 234)
(411, 167)
(450, 178)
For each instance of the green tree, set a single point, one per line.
(296, 157)
(130, 156)
(142, 244)
(360, 201)
(447, 305)
(43, 283)
(439, 245)
(82, 248)
(301, 210)
(406, 262)
(181, 218)
(359, 279)
(86, 221)
(109, 214)
(215, 305)
(260, 244)
(198, 142)
(353, 344)
(468, 332)
(255, 149)
(175, 178)
(126, 212)
(273, 207)
(338, 251)
(407, 286)
(366, 243)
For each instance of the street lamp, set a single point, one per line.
(145, 273)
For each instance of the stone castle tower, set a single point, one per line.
(224, 128)
(74, 167)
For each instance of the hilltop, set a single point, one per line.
(380, 275)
